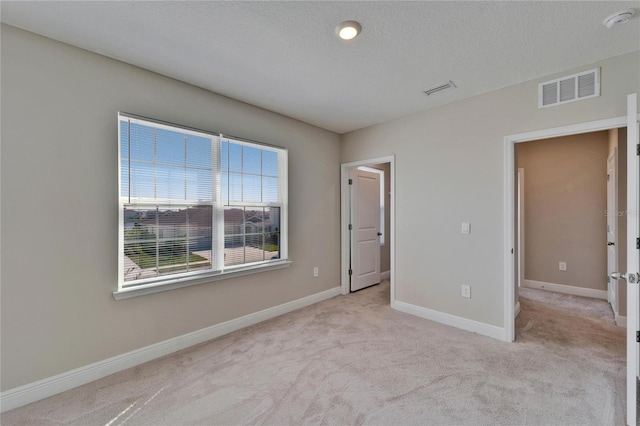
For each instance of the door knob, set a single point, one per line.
(631, 278)
(611, 244)
(618, 276)
(379, 234)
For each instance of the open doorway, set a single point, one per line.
(372, 183)
(511, 242)
(569, 218)
(368, 208)
(632, 124)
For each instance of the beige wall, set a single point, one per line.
(60, 220)
(618, 139)
(565, 205)
(450, 169)
(385, 252)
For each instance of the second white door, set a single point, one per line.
(365, 224)
(612, 208)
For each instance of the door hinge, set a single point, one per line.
(638, 149)
(638, 243)
(350, 272)
(350, 181)
(608, 178)
(638, 336)
(350, 227)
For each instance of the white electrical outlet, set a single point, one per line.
(466, 291)
(315, 272)
(562, 266)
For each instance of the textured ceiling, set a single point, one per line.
(285, 57)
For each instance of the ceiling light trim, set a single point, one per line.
(348, 30)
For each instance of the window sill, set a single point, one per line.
(200, 279)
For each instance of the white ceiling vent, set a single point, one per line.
(571, 88)
(439, 88)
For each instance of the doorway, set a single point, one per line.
(510, 242)
(569, 230)
(386, 218)
(367, 203)
(630, 123)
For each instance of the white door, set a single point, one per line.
(365, 233)
(520, 229)
(612, 208)
(633, 258)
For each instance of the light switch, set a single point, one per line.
(466, 228)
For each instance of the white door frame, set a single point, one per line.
(344, 220)
(633, 361)
(509, 202)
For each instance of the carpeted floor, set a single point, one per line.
(353, 360)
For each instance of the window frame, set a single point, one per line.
(216, 272)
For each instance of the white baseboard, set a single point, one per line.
(516, 309)
(621, 321)
(452, 320)
(385, 275)
(41, 389)
(567, 289)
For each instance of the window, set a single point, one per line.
(195, 204)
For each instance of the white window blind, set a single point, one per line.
(252, 195)
(193, 203)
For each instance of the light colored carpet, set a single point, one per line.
(353, 360)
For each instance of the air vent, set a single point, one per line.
(446, 86)
(575, 87)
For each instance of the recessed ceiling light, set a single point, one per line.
(618, 18)
(348, 30)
